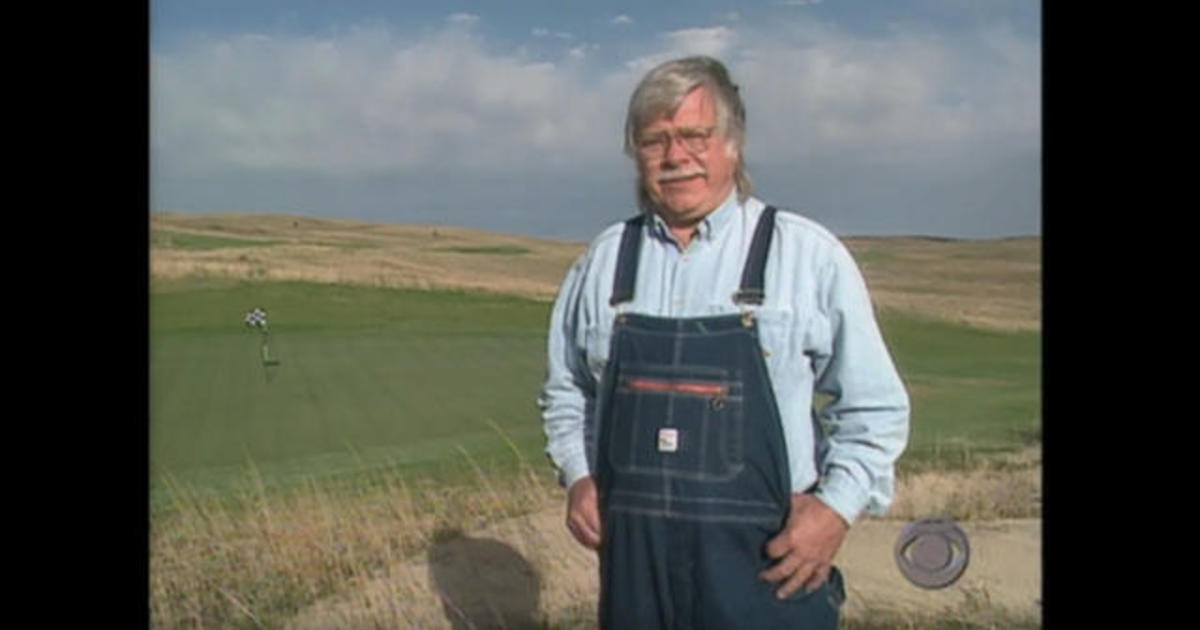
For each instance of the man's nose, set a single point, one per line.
(675, 151)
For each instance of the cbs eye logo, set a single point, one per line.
(932, 552)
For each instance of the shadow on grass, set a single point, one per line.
(483, 583)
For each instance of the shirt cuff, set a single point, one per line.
(842, 495)
(573, 471)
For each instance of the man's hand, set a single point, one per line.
(583, 512)
(806, 546)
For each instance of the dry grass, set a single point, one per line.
(992, 487)
(986, 283)
(371, 254)
(975, 612)
(369, 555)
(386, 552)
(256, 559)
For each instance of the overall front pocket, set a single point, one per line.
(677, 421)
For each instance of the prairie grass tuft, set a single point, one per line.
(258, 557)
(1007, 485)
(266, 556)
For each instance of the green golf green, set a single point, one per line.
(435, 382)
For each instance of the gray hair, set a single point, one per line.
(664, 88)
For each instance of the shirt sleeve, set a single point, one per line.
(866, 420)
(569, 389)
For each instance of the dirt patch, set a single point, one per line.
(1004, 571)
(483, 579)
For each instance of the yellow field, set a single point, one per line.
(987, 283)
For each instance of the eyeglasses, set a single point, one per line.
(693, 139)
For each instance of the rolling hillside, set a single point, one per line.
(985, 283)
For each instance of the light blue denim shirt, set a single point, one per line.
(816, 326)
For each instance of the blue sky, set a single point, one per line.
(902, 117)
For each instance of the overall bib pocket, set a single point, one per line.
(676, 421)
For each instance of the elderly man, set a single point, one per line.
(685, 349)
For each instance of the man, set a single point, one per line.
(685, 349)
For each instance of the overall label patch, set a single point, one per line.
(668, 440)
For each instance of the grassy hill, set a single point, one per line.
(413, 346)
(993, 284)
(410, 357)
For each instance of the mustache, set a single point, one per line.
(670, 176)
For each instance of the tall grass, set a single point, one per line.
(256, 558)
(963, 483)
(273, 556)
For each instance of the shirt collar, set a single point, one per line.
(709, 226)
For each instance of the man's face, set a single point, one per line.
(686, 182)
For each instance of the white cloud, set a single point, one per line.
(545, 32)
(371, 99)
(799, 3)
(466, 19)
(622, 19)
(714, 41)
(376, 101)
(904, 95)
(367, 101)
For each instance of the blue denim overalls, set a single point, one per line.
(692, 468)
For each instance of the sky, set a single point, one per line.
(914, 117)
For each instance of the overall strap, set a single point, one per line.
(751, 291)
(627, 260)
